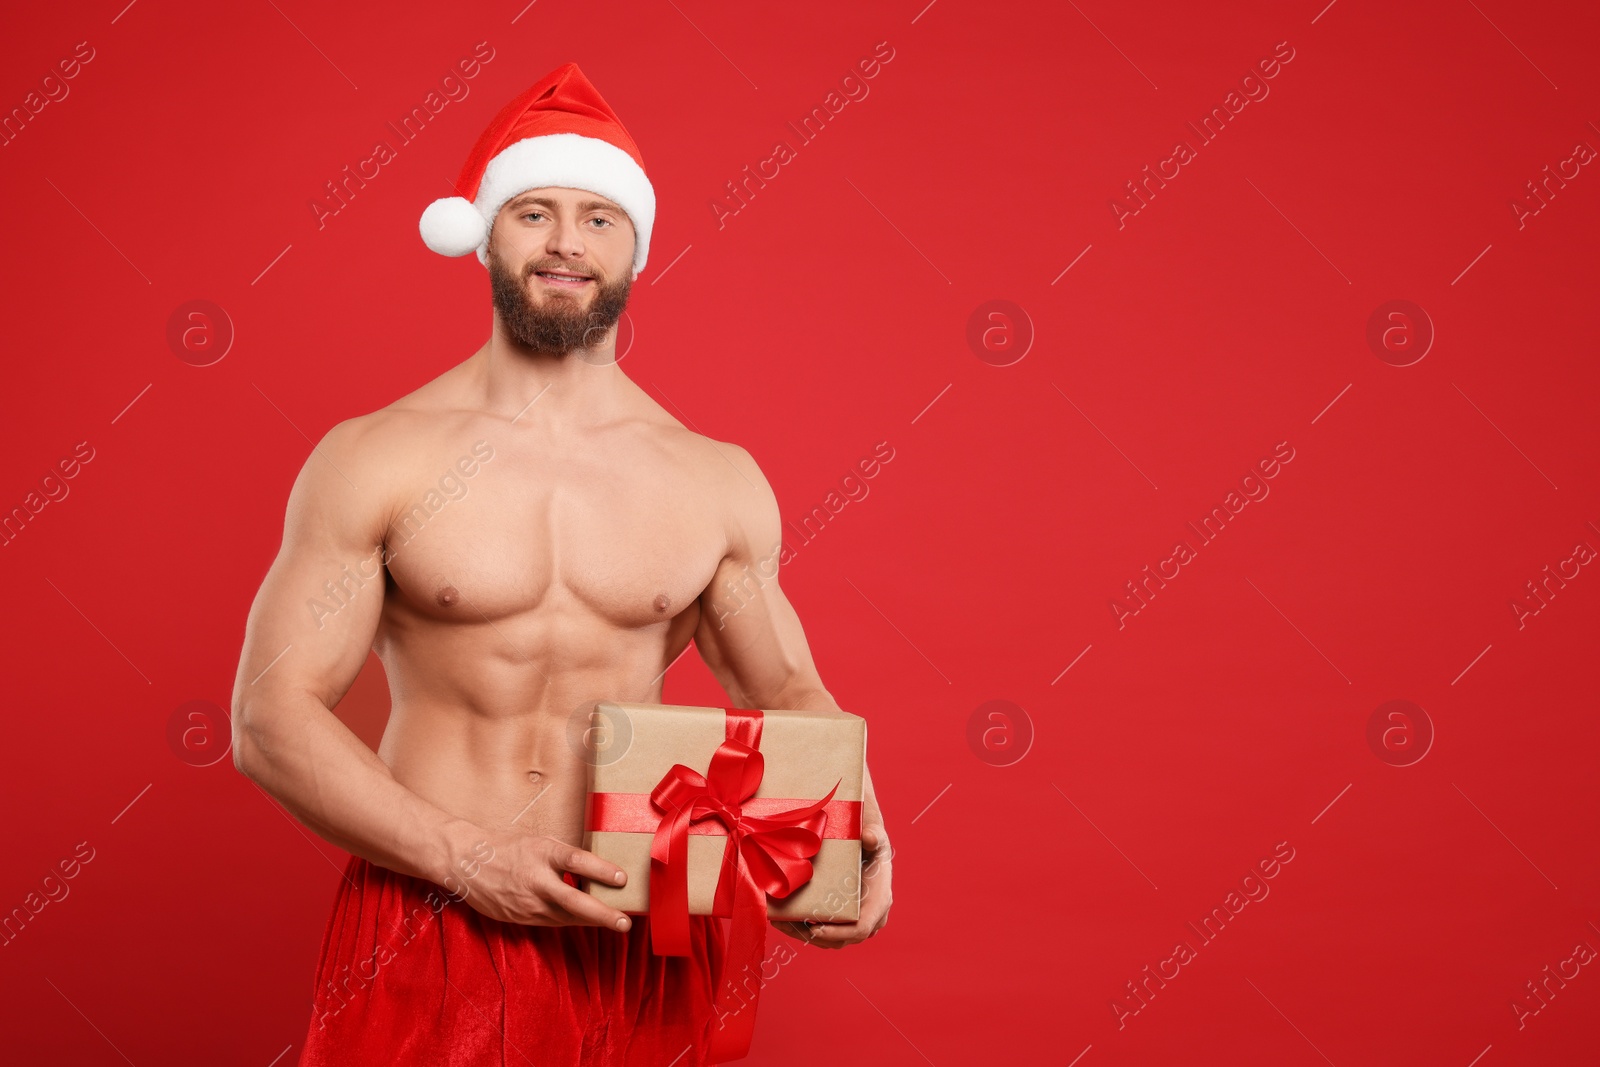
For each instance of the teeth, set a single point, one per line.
(564, 277)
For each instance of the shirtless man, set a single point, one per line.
(525, 534)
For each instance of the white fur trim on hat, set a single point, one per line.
(566, 160)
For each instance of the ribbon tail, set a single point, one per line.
(669, 886)
(729, 876)
(740, 987)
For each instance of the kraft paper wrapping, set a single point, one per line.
(804, 752)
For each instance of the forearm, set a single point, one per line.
(298, 751)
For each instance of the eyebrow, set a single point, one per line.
(583, 205)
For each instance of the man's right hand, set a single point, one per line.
(518, 880)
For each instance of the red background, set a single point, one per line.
(1230, 314)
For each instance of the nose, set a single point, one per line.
(566, 240)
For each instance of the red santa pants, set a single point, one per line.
(409, 976)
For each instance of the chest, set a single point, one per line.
(631, 538)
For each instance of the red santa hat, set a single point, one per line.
(558, 133)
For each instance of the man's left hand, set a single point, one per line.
(876, 896)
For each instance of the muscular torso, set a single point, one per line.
(564, 569)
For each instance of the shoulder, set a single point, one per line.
(723, 478)
(726, 469)
(363, 464)
(390, 439)
(703, 459)
(364, 448)
(736, 466)
(743, 495)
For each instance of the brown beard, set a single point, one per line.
(560, 324)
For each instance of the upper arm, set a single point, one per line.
(315, 616)
(749, 634)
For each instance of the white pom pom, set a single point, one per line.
(452, 226)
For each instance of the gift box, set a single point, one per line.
(811, 762)
(740, 812)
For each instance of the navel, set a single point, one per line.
(447, 596)
(662, 603)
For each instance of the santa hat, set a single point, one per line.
(561, 133)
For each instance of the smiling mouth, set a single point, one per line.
(562, 280)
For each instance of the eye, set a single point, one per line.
(531, 214)
(606, 222)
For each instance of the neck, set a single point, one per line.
(553, 390)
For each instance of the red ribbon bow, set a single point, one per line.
(765, 854)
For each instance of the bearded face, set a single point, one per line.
(551, 306)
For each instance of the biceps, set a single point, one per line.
(755, 642)
(312, 622)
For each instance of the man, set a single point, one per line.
(522, 536)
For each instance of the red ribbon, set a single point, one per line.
(769, 852)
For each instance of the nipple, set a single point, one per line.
(447, 596)
(662, 603)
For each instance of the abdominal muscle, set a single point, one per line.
(487, 720)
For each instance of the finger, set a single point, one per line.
(588, 865)
(829, 931)
(552, 914)
(831, 935)
(798, 930)
(586, 910)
